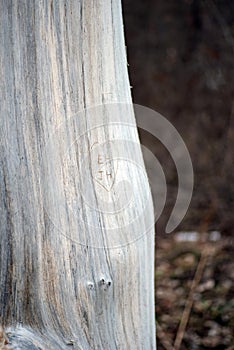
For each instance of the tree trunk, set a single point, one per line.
(76, 265)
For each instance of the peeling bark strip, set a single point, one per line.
(64, 282)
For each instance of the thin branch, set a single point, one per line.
(189, 303)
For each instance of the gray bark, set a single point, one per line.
(70, 275)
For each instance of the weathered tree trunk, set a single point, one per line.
(76, 269)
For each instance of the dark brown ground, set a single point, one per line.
(211, 318)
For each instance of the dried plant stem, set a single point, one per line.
(189, 303)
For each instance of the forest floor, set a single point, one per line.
(195, 292)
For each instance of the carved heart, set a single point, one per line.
(104, 169)
(105, 173)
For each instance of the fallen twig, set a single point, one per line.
(189, 302)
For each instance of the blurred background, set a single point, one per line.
(181, 64)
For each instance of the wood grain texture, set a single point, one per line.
(71, 276)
